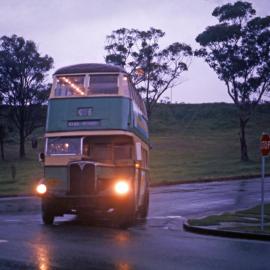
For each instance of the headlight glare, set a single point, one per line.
(41, 189)
(121, 187)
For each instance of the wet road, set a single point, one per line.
(157, 243)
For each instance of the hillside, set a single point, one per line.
(201, 141)
(190, 142)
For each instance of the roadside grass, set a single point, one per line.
(245, 220)
(27, 171)
(190, 142)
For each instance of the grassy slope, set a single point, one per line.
(190, 142)
(28, 170)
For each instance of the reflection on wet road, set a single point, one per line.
(208, 198)
(156, 243)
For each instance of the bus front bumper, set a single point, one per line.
(96, 205)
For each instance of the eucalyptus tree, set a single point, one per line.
(152, 70)
(23, 86)
(238, 50)
(3, 135)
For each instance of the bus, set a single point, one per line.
(96, 157)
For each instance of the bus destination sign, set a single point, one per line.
(83, 123)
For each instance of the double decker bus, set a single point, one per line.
(96, 146)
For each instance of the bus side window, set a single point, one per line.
(137, 99)
(131, 90)
(143, 158)
(125, 86)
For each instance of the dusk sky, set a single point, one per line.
(74, 31)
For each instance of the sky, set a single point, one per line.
(74, 31)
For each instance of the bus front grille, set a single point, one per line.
(82, 179)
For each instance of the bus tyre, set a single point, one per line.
(128, 218)
(127, 221)
(145, 205)
(47, 213)
(47, 218)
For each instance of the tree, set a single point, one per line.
(2, 137)
(2, 131)
(152, 70)
(22, 83)
(237, 49)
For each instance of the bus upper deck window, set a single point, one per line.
(70, 86)
(103, 84)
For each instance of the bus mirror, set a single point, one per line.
(41, 157)
(138, 151)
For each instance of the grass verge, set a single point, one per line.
(19, 176)
(243, 221)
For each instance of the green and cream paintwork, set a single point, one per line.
(118, 116)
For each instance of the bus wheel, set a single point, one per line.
(47, 218)
(127, 219)
(47, 213)
(145, 206)
(127, 222)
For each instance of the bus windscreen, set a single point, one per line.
(103, 84)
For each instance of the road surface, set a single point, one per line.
(157, 243)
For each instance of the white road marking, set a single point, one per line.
(166, 217)
(175, 217)
(3, 241)
(12, 220)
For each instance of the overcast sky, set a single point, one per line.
(74, 31)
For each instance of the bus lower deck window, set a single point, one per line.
(64, 146)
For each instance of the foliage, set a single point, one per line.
(2, 137)
(237, 49)
(153, 71)
(22, 83)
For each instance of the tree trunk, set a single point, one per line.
(148, 113)
(243, 143)
(22, 142)
(2, 149)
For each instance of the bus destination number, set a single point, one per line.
(85, 111)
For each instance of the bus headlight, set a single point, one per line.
(41, 189)
(121, 187)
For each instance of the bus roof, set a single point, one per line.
(89, 68)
